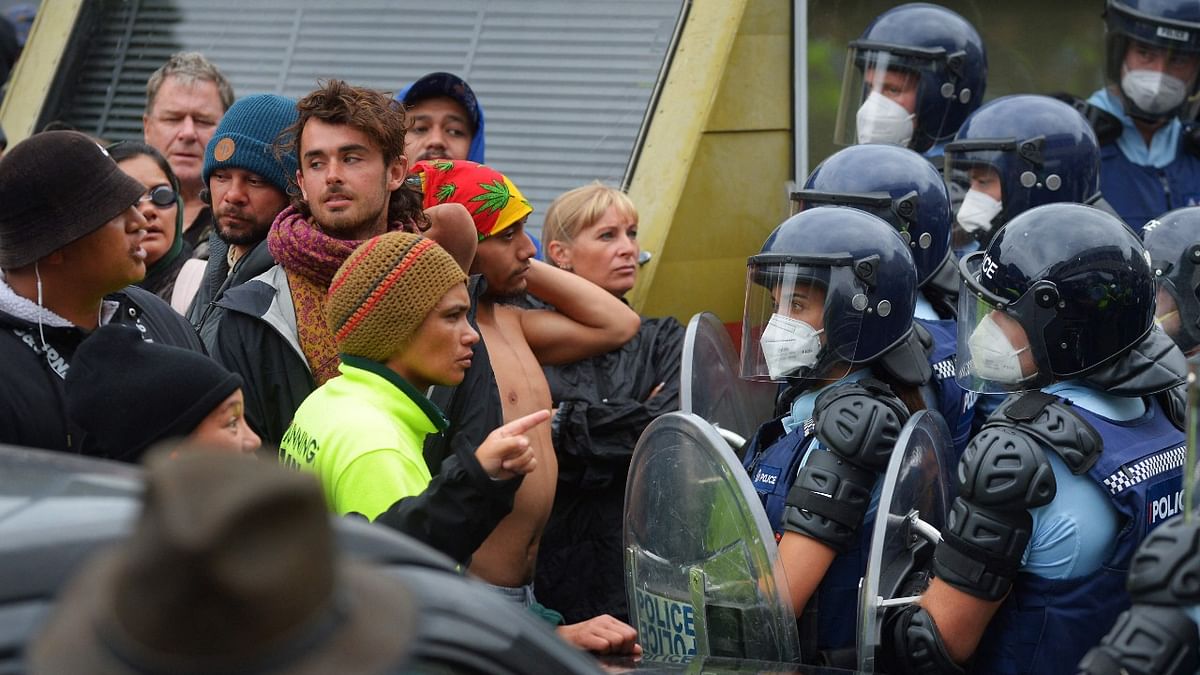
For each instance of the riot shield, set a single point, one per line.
(914, 500)
(1191, 468)
(711, 388)
(699, 554)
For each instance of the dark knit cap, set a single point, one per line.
(384, 290)
(443, 84)
(56, 187)
(127, 393)
(246, 139)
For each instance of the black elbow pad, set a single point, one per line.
(1146, 640)
(916, 645)
(860, 422)
(1002, 475)
(828, 500)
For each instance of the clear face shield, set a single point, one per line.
(795, 326)
(1156, 78)
(1166, 310)
(879, 98)
(995, 352)
(972, 169)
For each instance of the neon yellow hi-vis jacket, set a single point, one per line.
(362, 433)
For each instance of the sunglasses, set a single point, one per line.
(161, 196)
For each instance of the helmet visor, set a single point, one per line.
(995, 352)
(969, 163)
(799, 320)
(975, 170)
(880, 89)
(878, 204)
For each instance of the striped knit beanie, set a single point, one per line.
(384, 290)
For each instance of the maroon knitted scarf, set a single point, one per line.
(310, 258)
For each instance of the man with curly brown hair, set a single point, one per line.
(349, 142)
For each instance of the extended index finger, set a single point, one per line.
(523, 424)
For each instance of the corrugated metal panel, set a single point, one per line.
(564, 84)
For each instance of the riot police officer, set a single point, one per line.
(1152, 64)
(913, 77)
(1062, 483)
(916, 74)
(1173, 241)
(901, 187)
(831, 292)
(1018, 152)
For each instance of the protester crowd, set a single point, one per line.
(340, 284)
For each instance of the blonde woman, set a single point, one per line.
(602, 405)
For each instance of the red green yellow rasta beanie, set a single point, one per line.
(494, 202)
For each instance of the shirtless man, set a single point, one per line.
(588, 321)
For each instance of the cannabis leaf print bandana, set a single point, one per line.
(494, 202)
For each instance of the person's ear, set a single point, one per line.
(560, 254)
(397, 171)
(300, 184)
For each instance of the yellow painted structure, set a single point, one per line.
(35, 71)
(711, 181)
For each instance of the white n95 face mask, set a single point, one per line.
(788, 344)
(977, 212)
(1152, 91)
(882, 120)
(993, 355)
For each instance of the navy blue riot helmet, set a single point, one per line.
(1060, 291)
(1036, 150)
(1173, 242)
(895, 184)
(927, 51)
(1152, 48)
(832, 286)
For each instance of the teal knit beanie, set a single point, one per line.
(247, 136)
